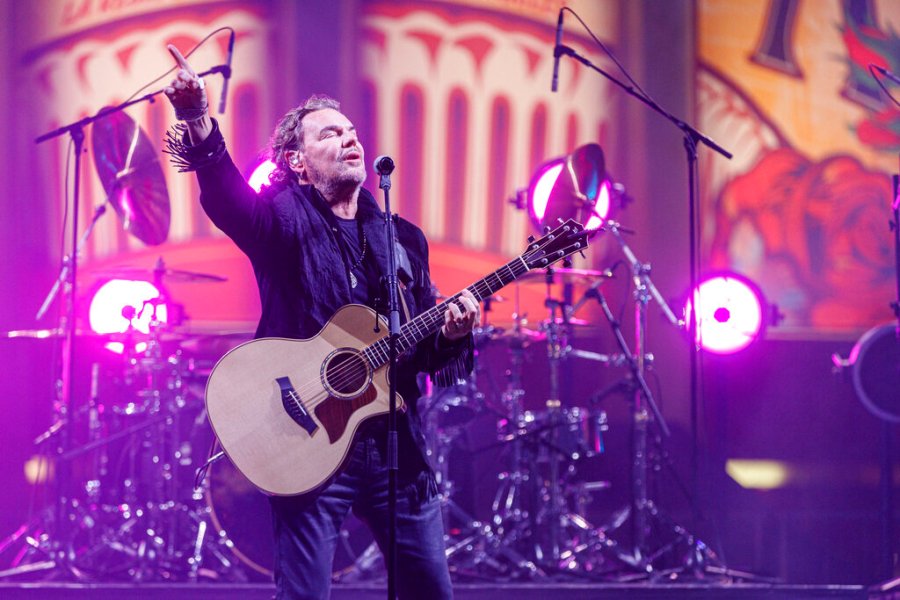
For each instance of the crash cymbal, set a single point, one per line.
(169, 275)
(575, 192)
(563, 275)
(129, 169)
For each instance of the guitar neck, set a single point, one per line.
(432, 319)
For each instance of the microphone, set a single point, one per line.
(885, 73)
(226, 74)
(556, 52)
(384, 165)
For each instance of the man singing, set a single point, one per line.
(316, 241)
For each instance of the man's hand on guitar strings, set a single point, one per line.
(461, 316)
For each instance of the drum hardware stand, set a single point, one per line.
(533, 511)
(558, 555)
(642, 511)
(54, 542)
(47, 534)
(481, 550)
(557, 342)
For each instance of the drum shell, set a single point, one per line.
(572, 433)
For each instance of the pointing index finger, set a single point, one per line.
(180, 60)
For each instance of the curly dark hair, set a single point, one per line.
(288, 134)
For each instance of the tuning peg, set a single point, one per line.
(547, 229)
(530, 239)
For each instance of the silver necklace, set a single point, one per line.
(353, 281)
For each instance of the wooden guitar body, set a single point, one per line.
(263, 428)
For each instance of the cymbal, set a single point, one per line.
(564, 275)
(573, 321)
(521, 334)
(175, 275)
(214, 343)
(34, 334)
(58, 332)
(129, 169)
(577, 188)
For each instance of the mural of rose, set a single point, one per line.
(815, 231)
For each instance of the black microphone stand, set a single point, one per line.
(691, 139)
(384, 167)
(64, 410)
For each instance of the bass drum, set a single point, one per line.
(240, 513)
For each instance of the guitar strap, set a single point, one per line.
(400, 289)
(404, 275)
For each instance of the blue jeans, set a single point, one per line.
(307, 527)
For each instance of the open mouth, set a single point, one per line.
(352, 155)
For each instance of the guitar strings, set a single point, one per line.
(352, 370)
(357, 369)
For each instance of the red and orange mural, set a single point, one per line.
(458, 91)
(804, 206)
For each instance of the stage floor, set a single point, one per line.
(638, 591)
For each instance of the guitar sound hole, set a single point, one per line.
(346, 373)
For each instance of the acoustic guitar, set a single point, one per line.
(286, 410)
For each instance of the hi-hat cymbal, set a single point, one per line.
(175, 275)
(129, 169)
(564, 275)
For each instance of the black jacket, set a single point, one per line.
(290, 235)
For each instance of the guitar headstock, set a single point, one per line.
(566, 239)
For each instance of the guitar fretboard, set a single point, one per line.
(431, 320)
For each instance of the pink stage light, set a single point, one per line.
(259, 178)
(730, 313)
(120, 297)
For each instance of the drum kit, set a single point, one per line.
(139, 495)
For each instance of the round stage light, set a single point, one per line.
(731, 313)
(119, 303)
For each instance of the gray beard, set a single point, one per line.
(335, 188)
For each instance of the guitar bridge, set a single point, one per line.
(293, 405)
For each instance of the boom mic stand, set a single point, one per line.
(691, 138)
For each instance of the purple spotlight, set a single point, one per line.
(259, 177)
(730, 313)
